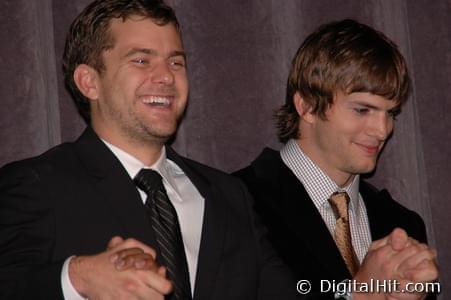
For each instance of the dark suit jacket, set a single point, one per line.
(296, 229)
(72, 199)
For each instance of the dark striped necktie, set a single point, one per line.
(165, 225)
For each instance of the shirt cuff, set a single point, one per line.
(69, 292)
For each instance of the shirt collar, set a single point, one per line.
(318, 185)
(164, 166)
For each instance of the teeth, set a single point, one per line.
(156, 100)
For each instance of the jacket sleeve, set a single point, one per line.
(276, 281)
(26, 236)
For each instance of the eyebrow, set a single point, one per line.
(148, 51)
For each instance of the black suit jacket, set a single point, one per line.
(296, 229)
(72, 199)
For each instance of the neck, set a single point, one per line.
(345, 181)
(147, 152)
(342, 179)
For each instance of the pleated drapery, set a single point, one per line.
(239, 53)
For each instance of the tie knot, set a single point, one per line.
(339, 202)
(148, 180)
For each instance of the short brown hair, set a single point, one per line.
(341, 56)
(89, 36)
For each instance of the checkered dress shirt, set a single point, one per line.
(320, 187)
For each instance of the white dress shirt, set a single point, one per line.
(320, 187)
(187, 201)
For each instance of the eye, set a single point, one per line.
(394, 113)
(140, 61)
(361, 110)
(177, 64)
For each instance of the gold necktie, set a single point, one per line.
(339, 202)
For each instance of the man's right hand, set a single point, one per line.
(397, 258)
(96, 277)
(134, 258)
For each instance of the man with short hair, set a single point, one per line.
(118, 214)
(346, 85)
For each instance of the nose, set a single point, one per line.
(381, 126)
(162, 74)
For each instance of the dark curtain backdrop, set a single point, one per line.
(239, 54)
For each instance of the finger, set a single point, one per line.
(132, 243)
(412, 242)
(114, 242)
(421, 266)
(157, 282)
(116, 257)
(395, 237)
(146, 263)
(129, 252)
(379, 243)
(142, 285)
(402, 260)
(137, 261)
(162, 271)
(381, 255)
(411, 257)
(141, 261)
(426, 271)
(398, 239)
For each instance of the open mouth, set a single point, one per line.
(157, 101)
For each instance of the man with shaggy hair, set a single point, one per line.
(346, 85)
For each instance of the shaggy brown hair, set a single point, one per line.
(341, 56)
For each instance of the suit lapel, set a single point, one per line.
(114, 187)
(213, 228)
(301, 215)
(315, 233)
(380, 226)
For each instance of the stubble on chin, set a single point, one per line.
(148, 135)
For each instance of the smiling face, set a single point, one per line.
(140, 96)
(349, 140)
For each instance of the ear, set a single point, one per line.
(86, 79)
(303, 108)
